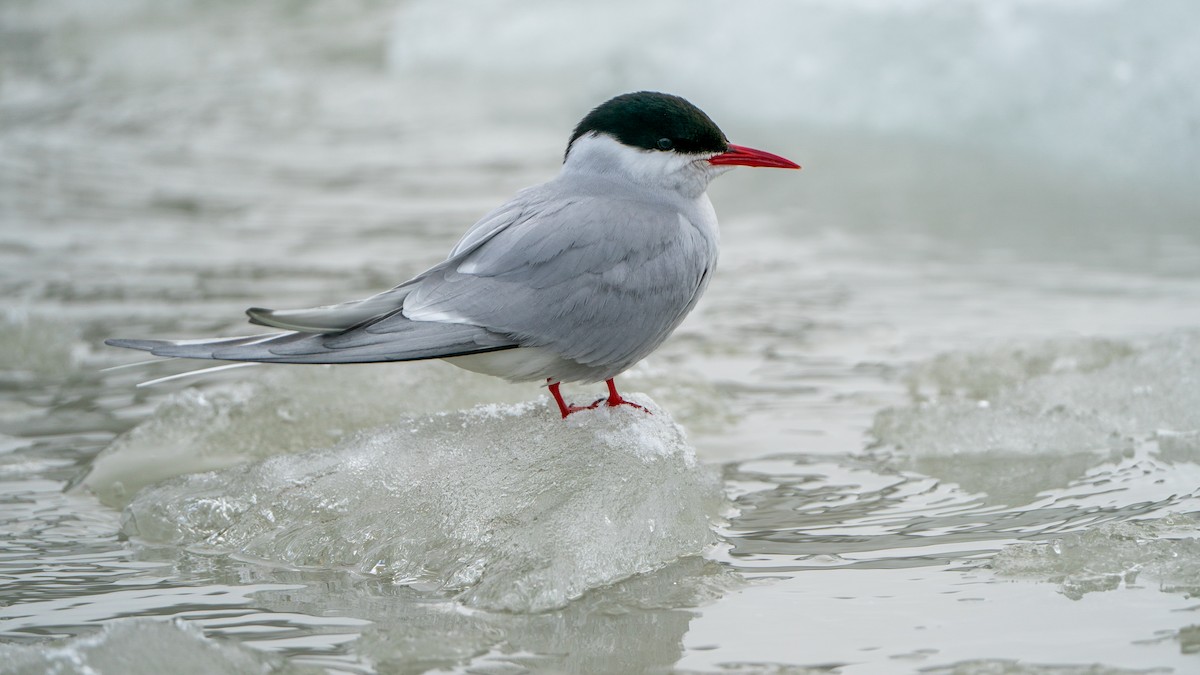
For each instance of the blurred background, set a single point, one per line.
(977, 303)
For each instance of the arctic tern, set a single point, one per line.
(573, 280)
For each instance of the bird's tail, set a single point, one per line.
(396, 339)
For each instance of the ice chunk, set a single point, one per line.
(1015, 667)
(1072, 397)
(142, 646)
(284, 409)
(1178, 446)
(34, 348)
(276, 410)
(1109, 555)
(1013, 422)
(507, 506)
(983, 374)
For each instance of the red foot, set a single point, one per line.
(563, 406)
(614, 399)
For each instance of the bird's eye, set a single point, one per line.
(665, 144)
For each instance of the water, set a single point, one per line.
(938, 411)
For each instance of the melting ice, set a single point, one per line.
(145, 646)
(505, 505)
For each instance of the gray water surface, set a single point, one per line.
(939, 410)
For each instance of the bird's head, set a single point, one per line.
(656, 139)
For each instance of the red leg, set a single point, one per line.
(614, 399)
(563, 407)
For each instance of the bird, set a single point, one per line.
(573, 280)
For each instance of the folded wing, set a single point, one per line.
(593, 279)
(400, 341)
(347, 315)
(596, 280)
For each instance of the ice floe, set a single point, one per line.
(1108, 556)
(504, 505)
(141, 646)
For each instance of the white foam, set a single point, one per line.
(507, 507)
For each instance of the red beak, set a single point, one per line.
(740, 155)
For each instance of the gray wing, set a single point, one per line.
(599, 280)
(360, 331)
(402, 341)
(346, 315)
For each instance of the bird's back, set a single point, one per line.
(597, 271)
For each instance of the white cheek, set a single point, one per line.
(687, 174)
(650, 163)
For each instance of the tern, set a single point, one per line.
(573, 280)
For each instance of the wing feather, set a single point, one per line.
(410, 341)
(346, 315)
(597, 280)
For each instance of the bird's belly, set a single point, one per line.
(525, 364)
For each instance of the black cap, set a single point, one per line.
(654, 121)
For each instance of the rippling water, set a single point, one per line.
(939, 411)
